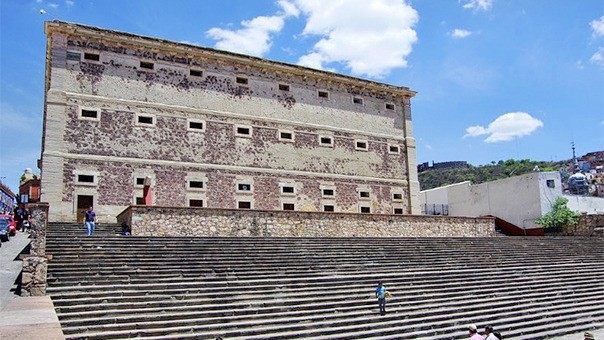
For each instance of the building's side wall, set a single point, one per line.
(169, 221)
(585, 204)
(115, 148)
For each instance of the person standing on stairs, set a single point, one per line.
(90, 220)
(380, 292)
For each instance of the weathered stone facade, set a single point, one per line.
(201, 123)
(171, 221)
(588, 225)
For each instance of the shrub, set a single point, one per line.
(560, 216)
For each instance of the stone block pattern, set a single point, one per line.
(588, 225)
(170, 221)
(35, 264)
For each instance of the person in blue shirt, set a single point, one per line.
(90, 220)
(380, 292)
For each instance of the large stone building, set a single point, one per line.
(215, 129)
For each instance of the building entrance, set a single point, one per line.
(84, 201)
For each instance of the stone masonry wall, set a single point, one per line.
(35, 264)
(171, 221)
(589, 225)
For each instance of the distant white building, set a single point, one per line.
(519, 200)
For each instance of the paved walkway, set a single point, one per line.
(23, 317)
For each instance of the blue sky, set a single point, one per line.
(496, 79)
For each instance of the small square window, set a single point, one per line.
(365, 210)
(398, 211)
(74, 56)
(89, 113)
(195, 73)
(550, 183)
(196, 184)
(357, 100)
(393, 149)
(241, 80)
(287, 189)
(364, 194)
(389, 106)
(196, 125)
(397, 197)
(328, 208)
(244, 205)
(283, 87)
(361, 145)
(92, 56)
(328, 192)
(147, 65)
(288, 206)
(327, 141)
(140, 181)
(140, 201)
(144, 120)
(195, 203)
(86, 178)
(323, 94)
(244, 187)
(244, 131)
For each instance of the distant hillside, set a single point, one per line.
(435, 178)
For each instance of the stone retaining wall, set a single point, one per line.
(33, 279)
(175, 221)
(589, 225)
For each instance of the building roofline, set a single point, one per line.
(210, 53)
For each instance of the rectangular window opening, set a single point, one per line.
(243, 130)
(147, 65)
(195, 73)
(364, 194)
(328, 192)
(288, 206)
(241, 80)
(244, 187)
(140, 201)
(196, 125)
(89, 113)
(397, 197)
(326, 140)
(86, 178)
(551, 183)
(398, 211)
(287, 190)
(361, 145)
(92, 56)
(145, 119)
(195, 203)
(329, 208)
(283, 87)
(365, 210)
(323, 94)
(140, 181)
(357, 100)
(196, 184)
(390, 106)
(393, 149)
(286, 135)
(244, 205)
(74, 56)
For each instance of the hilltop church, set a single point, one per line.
(130, 120)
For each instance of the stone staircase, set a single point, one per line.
(112, 287)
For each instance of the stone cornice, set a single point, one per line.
(193, 51)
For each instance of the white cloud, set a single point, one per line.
(69, 3)
(506, 127)
(598, 27)
(254, 37)
(459, 33)
(598, 57)
(53, 5)
(368, 37)
(478, 5)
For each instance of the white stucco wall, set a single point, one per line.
(586, 204)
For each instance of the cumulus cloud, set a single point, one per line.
(459, 33)
(506, 127)
(478, 5)
(69, 3)
(53, 5)
(598, 27)
(254, 37)
(368, 37)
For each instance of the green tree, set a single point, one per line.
(560, 215)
